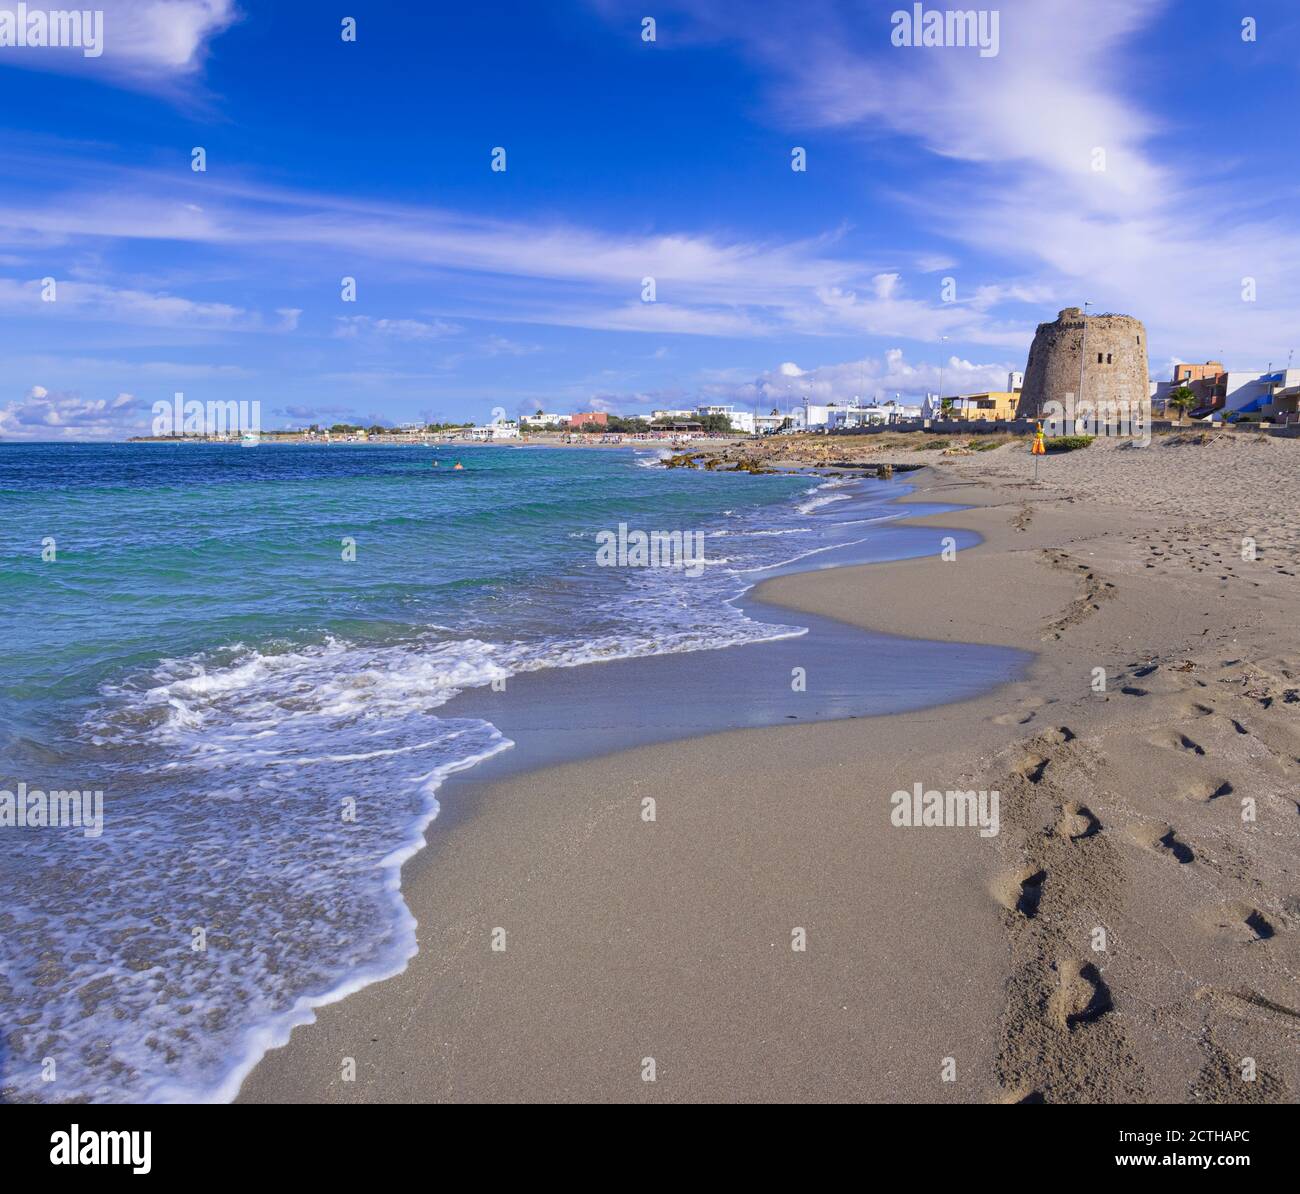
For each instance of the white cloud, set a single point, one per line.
(352, 327)
(42, 414)
(876, 377)
(94, 301)
(530, 272)
(1025, 129)
(146, 43)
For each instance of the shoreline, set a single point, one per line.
(619, 935)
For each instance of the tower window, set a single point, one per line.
(1108, 359)
(1099, 358)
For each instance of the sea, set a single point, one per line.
(246, 650)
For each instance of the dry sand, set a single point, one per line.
(1159, 819)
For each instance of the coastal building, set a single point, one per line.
(598, 417)
(1220, 391)
(1015, 380)
(543, 422)
(898, 412)
(501, 429)
(996, 404)
(769, 424)
(667, 416)
(1099, 359)
(1249, 393)
(740, 420)
(1185, 373)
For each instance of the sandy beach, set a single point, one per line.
(1130, 935)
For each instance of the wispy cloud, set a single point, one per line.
(543, 272)
(151, 44)
(1042, 159)
(94, 301)
(353, 327)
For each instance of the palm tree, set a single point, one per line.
(1183, 400)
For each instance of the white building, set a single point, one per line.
(1015, 381)
(816, 416)
(499, 430)
(740, 420)
(675, 416)
(1248, 392)
(544, 421)
(768, 424)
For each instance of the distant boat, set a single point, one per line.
(250, 439)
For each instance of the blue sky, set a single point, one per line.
(626, 159)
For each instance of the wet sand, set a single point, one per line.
(931, 953)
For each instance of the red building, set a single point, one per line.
(595, 416)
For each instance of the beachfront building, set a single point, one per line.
(1249, 393)
(900, 412)
(812, 416)
(770, 424)
(501, 429)
(1220, 391)
(543, 422)
(599, 417)
(671, 416)
(1186, 373)
(740, 420)
(994, 405)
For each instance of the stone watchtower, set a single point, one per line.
(1114, 363)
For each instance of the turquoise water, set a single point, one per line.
(261, 711)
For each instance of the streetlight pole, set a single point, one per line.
(1083, 360)
(942, 341)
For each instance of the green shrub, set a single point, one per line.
(1068, 443)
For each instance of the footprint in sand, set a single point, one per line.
(1080, 997)
(1076, 822)
(1174, 740)
(1161, 839)
(1057, 737)
(1020, 890)
(1022, 715)
(1023, 1094)
(1032, 768)
(1236, 921)
(1202, 791)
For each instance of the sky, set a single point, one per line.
(1135, 154)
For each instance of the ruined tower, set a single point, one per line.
(1114, 349)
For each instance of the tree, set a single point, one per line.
(1182, 400)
